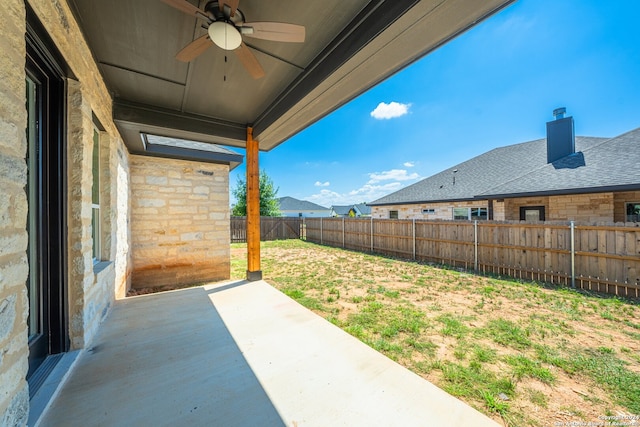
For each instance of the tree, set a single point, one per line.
(269, 205)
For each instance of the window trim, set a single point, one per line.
(626, 212)
(394, 214)
(469, 216)
(96, 208)
(540, 209)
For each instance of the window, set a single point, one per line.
(428, 211)
(393, 214)
(480, 214)
(532, 213)
(95, 198)
(470, 213)
(633, 212)
(460, 213)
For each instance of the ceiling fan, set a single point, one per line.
(226, 26)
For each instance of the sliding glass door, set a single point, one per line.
(45, 191)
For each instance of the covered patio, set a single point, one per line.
(241, 354)
(89, 92)
(171, 77)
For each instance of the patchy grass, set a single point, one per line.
(526, 354)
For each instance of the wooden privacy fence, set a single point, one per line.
(604, 258)
(271, 228)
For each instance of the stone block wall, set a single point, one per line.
(512, 206)
(93, 287)
(620, 201)
(581, 207)
(442, 210)
(14, 395)
(593, 207)
(179, 222)
(90, 288)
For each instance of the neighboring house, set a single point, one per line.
(559, 178)
(346, 211)
(301, 208)
(362, 209)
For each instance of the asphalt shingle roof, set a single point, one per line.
(523, 169)
(611, 163)
(341, 210)
(291, 204)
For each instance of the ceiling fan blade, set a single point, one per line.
(186, 7)
(233, 5)
(275, 31)
(249, 61)
(195, 48)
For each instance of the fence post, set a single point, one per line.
(321, 230)
(475, 244)
(573, 255)
(372, 233)
(414, 239)
(343, 231)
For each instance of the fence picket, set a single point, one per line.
(607, 257)
(271, 228)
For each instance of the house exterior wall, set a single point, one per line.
(90, 288)
(94, 286)
(592, 207)
(620, 201)
(179, 222)
(306, 214)
(582, 207)
(14, 395)
(414, 211)
(512, 207)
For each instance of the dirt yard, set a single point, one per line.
(525, 354)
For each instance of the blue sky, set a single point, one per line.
(495, 85)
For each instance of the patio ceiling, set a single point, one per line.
(350, 46)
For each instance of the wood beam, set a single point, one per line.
(253, 208)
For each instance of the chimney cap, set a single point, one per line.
(559, 113)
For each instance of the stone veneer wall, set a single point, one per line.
(91, 289)
(593, 207)
(14, 395)
(179, 222)
(442, 210)
(620, 201)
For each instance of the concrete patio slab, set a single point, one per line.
(241, 354)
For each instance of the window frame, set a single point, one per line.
(469, 213)
(96, 207)
(394, 214)
(524, 209)
(626, 212)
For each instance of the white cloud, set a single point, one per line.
(391, 175)
(372, 190)
(327, 198)
(322, 184)
(390, 110)
(366, 193)
(409, 164)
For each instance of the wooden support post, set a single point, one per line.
(253, 209)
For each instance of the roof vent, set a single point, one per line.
(560, 136)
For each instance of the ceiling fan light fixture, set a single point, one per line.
(224, 35)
